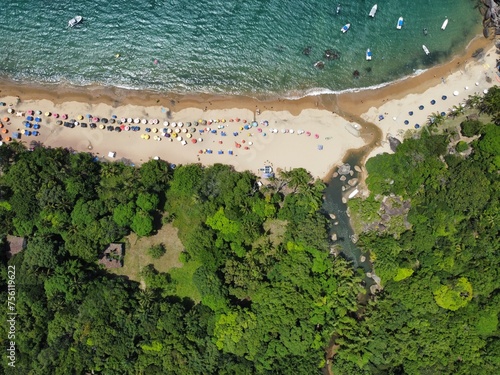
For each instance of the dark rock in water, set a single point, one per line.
(319, 64)
(394, 143)
(478, 52)
(368, 69)
(355, 74)
(486, 32)
(487, 15)
(307, 50)
(331, 54)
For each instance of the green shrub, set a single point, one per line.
(471, 128)
(157, 251)
(462, 146)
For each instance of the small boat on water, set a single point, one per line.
(75, 21)
(426, 50)
(445, 23)
(345, 27)
(368, 54)
(373, 11)
(338, 9)
(400, 23)
(425, 31)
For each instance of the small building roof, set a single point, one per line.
(15, 245)
(112, 257)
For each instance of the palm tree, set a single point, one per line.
(474, 101)
(436, 118)
(457, 110)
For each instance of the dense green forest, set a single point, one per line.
(269, 303)
(439, 262)
(270, 298)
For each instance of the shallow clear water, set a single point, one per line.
(252, 47)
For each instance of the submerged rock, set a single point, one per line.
(307, 51)
(319, 64)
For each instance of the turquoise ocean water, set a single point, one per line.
(251, 47)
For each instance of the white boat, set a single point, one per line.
(368, 54)
(426, 50)
(373, 11)
(445, 23)
(400, 23)
(345, 27)
(75, 21)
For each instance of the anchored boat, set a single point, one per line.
(426, 50)
(75, 21)
(345, 27)
(373, 11)
(400, 23)
(445, 23)
(368, 54)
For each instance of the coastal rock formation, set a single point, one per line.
(393, 143)
(491, 17)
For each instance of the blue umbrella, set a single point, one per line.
(410, 113)
(35, 133)
(407, 122)
(27, 132)
(29, 118)
(417, 126)
(433, 102)
(421, 107)
(27, 124)
(38, 119)
(443, 113)
(36, 126)
(444, 97)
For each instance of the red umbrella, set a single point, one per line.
(316, 135)
(193, 140)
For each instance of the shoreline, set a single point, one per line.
(356, 101)
(325, 114)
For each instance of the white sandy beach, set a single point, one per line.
(451, 91)
(275, 141)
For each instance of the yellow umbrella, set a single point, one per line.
(101, 126)
(48, 114)
(80, 117)
(154, 130)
